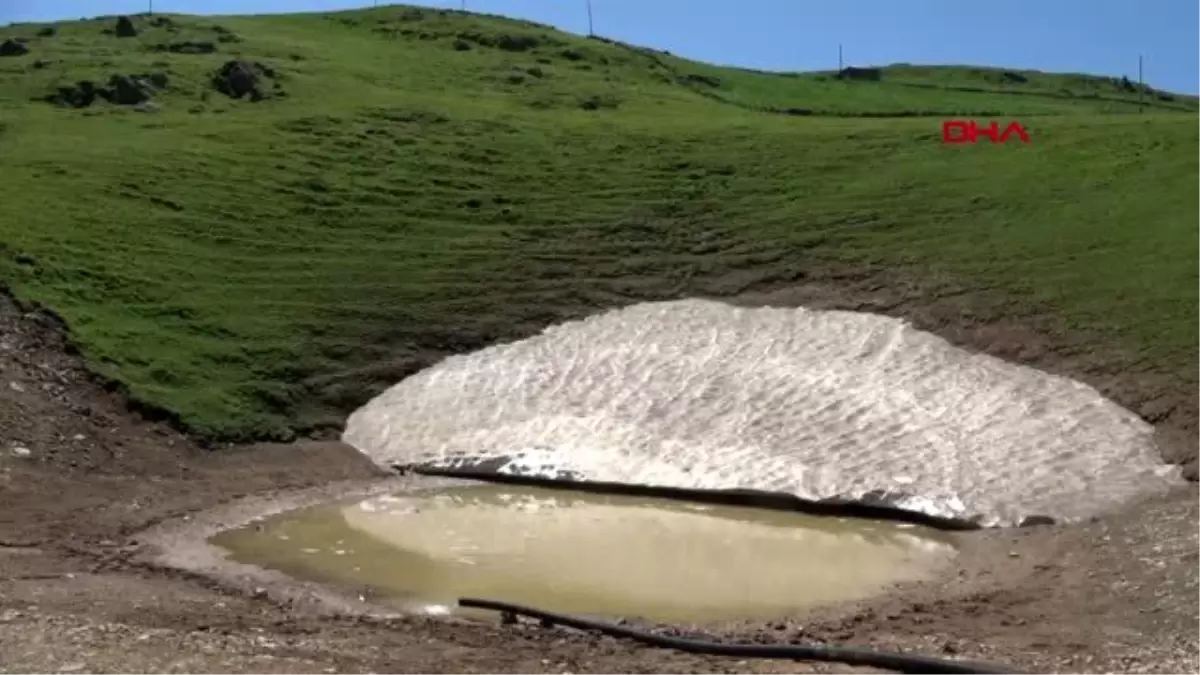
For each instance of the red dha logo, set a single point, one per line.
(967, 131)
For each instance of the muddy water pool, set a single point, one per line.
(613, 556)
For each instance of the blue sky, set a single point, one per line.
(1093, 36)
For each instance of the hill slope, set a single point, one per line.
(417, 182)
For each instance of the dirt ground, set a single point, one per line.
(82, 478)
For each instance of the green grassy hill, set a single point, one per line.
(417, 182)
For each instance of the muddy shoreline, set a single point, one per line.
(92, 491)
(183, 544)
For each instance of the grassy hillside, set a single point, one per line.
(418, 182)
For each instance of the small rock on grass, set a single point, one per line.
(13, 48)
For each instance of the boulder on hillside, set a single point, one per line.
(11, 47)
(243, 79)
(225, 35)
(706, 80)
(516, 43)
(125, 27)
(127, 90)
(79, 95)
(131, 90)
(157, 80)
(187, 47)
(862, 74)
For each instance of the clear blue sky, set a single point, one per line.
(1093, 36)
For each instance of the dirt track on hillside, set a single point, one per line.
(81, 477)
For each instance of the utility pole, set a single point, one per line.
(591, 32)
(1141, 86)
(840, 57)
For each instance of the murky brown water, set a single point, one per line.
(589, 554)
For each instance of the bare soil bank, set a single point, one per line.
(81, 477)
